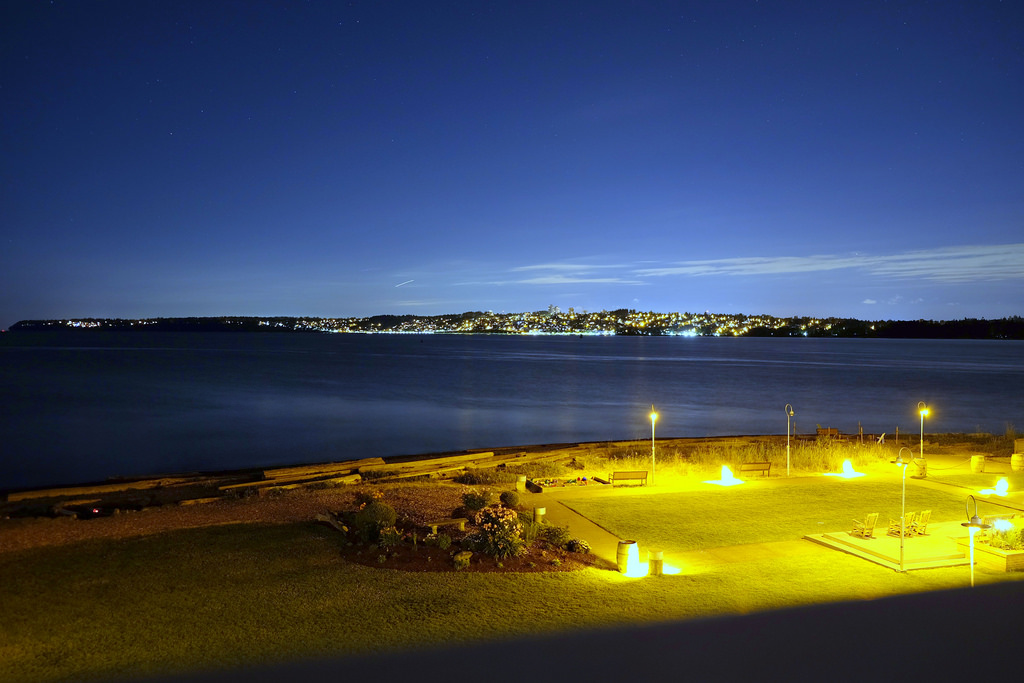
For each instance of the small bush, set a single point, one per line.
(373, 518)
(474, 502)
(499, 533)
(364, 498)
(557, 536)
(578, 545)
(509, 499)
(531, 530)
(390, 537)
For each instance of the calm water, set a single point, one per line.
(84, 407)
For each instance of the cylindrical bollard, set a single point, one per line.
(977, 463)
(521, 483)
(538, 514)
(656, 563)
(1017, 462)
(920, 468)
(626, 551)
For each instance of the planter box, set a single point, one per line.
(993, 558)
(541, 485)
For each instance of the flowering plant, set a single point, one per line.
(1005, 535)
(499, 532)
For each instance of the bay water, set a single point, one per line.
(85, 406)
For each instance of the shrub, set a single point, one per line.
(443, 541)
(390, 537)
(364, 498)
(557, 536)
(474, 502)
(509, 499)
(373, 518)
(486, 477)
(499, 533)
(578, 545)
(1005, 536)
(531, 529)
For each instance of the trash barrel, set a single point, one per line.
(538, 514)
(622, 554)
(977, 463)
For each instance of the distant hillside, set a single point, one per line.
(554, 321)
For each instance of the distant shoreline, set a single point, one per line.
(623, 322)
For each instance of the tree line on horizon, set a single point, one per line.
(623, 322)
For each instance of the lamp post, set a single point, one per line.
(900, 462)
(923, 410)
(654, 416)
(789, 414)
(973, 523)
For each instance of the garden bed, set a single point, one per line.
(540, 485)
(996, 559)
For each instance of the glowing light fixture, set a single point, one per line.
(973, 523)
(633, 566)
(1001, 489)
(847, 473)
(727, 479)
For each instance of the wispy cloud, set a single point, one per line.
(571, 274)
(948, 264)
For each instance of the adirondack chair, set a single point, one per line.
(920, 525)
(908, 524)
(865, 529)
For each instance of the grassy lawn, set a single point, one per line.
(977, 482)
(756, 513)
(247, 594)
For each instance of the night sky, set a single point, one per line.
(861, 159)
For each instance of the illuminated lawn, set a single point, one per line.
(757, 512)
(244, 595)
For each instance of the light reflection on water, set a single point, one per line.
(143, 403)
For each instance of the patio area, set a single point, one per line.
(937, 548)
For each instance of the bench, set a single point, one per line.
(460, 521)
(763, 467)
(640, 476)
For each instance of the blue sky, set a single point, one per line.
(340, 159)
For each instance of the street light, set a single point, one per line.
(654, 416)
(973, 523)
(789, 414)
(900, 462)
(923, 409)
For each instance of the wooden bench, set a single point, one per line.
(763, 467)
(460, 521)
(639, 475)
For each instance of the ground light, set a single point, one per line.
(847, 473)
(726, 480)
(1001, 489)
(630, 566)
(973, 523)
